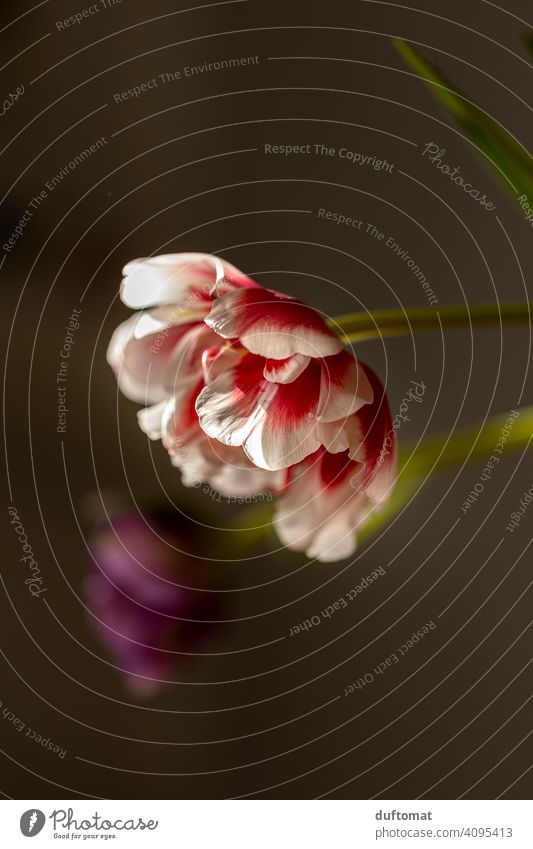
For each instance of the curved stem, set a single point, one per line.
(509, 431)
(503, 432)
(500, 434)
(355, 327)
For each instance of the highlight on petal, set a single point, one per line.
(187, 357)
(150, 420)
(173, 278)
(141, 365)
(179, 422)
(320, 511)
(286, 435)
(229, 406)
(274, 422)
(342, 435)
(287, 370)
(272, 325)
(344, 387)
(225, 469)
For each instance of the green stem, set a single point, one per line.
(355, 327)
(481, 441)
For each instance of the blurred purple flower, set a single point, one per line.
(142, 592)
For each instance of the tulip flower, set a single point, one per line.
(244, 384)
(140, 598)
(330, 495)
(251, 391)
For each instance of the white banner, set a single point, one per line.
(268, 824)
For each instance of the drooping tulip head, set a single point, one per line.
(250, 390)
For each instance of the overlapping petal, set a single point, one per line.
(251, 391)
(274, 423)
(142, 363)
(332, 492)
(280, 423)
(272, 325)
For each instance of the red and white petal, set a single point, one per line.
(274, 422)
(316, 496)
(219, 358)
(377, 450)
(283, 437)
(179, 424)
(227, 470)
(322, 508)
(196, 461)
(237, 476)
(383, 479)
(344, 387)
(342, 435)
(287, 370)
(272, 325)
(337, 475)
(141, 365)
(187, 357)
(229, 406)
(336, 539)
(296, 517)
(175, 278)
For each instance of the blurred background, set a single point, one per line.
(248, 710)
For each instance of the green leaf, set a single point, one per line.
(505, 156)
(514, 431)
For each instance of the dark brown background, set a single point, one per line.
(454, 716)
